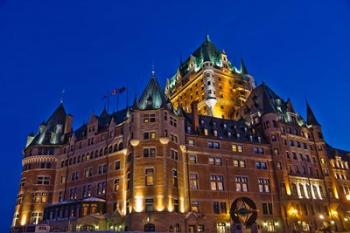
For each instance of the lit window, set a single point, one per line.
(192, 158)
(215, 161)
(194, 181)
(195, 206)
(116, 184)
(149, 118)
(241, 183)
(149, 135)
(217, 183)
(149, 176)
(264, 185)
(239, 163)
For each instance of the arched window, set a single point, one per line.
(115, 148)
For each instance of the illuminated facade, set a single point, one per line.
(175, 161)
(209, 78)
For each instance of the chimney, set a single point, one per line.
(68, 124)
(195, 120)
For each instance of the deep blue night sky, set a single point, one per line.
(300, 48)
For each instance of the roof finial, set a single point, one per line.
(153, 70)
(207, 38)
(62, 95)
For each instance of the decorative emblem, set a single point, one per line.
(243, 210)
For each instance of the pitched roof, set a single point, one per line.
(333, 152)
(104, 119)
(225, 129)
(310, 116)
(153, 95)
(51, 132)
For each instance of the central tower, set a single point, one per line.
(208, 78)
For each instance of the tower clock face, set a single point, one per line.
(243, 210)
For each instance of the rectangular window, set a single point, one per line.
(191, 142)
(264, 185)
(219, 207)
(149, 152)
(149, 204)
(261, 165)
(149, 135)
(44, 180)
(75, 175)
(267, 208)
(102, 169)
(101, 188)
(173, 154)
(116, 185)
(213, 145)
(237, 148)
(192, 158)
(87, 191)
(173, 121)
(149, 176)
(147, 118)
(195, 206)
(194, 181)
(176, 205)
(241, 184)
(239, 163)
(174, 138)
(258, 150)
(174, 177)
(216, 183)
(200, 228)
(117, 165)
(88, 172)
(215, 161)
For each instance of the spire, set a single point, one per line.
(207, 38)
(153, 73)
(311, 119)
(153, 96)
(243, 67)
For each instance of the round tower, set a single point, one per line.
(209, 87)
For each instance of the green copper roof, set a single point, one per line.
(265, 100)
(153, 96)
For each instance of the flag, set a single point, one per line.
(119, 90)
